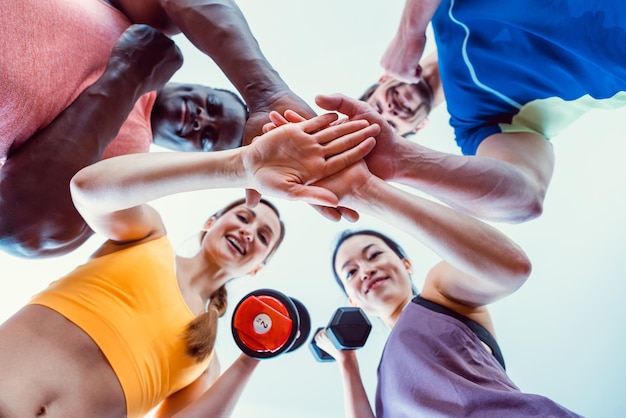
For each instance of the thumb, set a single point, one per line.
(252, 198)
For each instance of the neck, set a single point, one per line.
(391, 320)
(199, 278)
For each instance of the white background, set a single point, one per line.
(562, 334)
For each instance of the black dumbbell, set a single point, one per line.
(267, 323)
(348, 329)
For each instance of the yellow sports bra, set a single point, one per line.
(130, 304)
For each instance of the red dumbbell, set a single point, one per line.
(267, 323)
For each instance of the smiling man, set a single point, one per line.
(406, 106)
(192, 117)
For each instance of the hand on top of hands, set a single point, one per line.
(286, 161)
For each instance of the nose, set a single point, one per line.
(367, 273)
(247, 235)
(202, 119)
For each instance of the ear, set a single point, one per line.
(208, 223)
(384, 77)
(255, 270)
(351, 302)
(421, 125)
(407, 265)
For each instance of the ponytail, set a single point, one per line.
(201, 332)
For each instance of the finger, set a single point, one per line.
(348, 214)
(269, 126)
(345, 159)
(277, 119)
(339, 103)
(333, 132)
(350, 140)
(252, 198)
(319, 122)
(329, 213)
(313, 195)
(293, 116)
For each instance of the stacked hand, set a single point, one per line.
(287, 160)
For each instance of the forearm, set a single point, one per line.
(221, 398)
(219, 29)
(356, 404)
(417, 15)
(484, 187)
(123, 182)
(463, 241)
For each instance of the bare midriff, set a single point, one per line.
(52, 368)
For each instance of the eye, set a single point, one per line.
(242, 218)
(263, 238)
(350, 274)
(374, 254)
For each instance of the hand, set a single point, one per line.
(323, 342)
(401, 59)
(382, 160)
(145, 54)
(286, 161)
(334, 214)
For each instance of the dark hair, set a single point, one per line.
(201, 332)
(343, 236)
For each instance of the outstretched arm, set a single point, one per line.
(219, 29)
(112, 194)
(506, 180)
(401, 60)
(489, 265)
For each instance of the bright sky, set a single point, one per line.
(560, 334)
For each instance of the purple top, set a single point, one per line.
(435, 365)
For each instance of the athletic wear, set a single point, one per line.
(435, 365)
(528, 65)
(50, 51)
(130, 304)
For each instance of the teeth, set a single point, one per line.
(235, 243)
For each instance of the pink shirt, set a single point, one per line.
(50, 51)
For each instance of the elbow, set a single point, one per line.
(533, 209)
(520, 268)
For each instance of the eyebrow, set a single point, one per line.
(363, 251)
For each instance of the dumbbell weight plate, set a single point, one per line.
(265, 323)
(305, 325)
(349, 328)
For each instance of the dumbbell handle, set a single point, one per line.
(348, 329)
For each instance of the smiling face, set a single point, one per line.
(374, 277)
(241, 239)
(191, 117)
(404, 106)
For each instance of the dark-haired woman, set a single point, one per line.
(441, 358)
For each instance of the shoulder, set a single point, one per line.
(150, 12)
